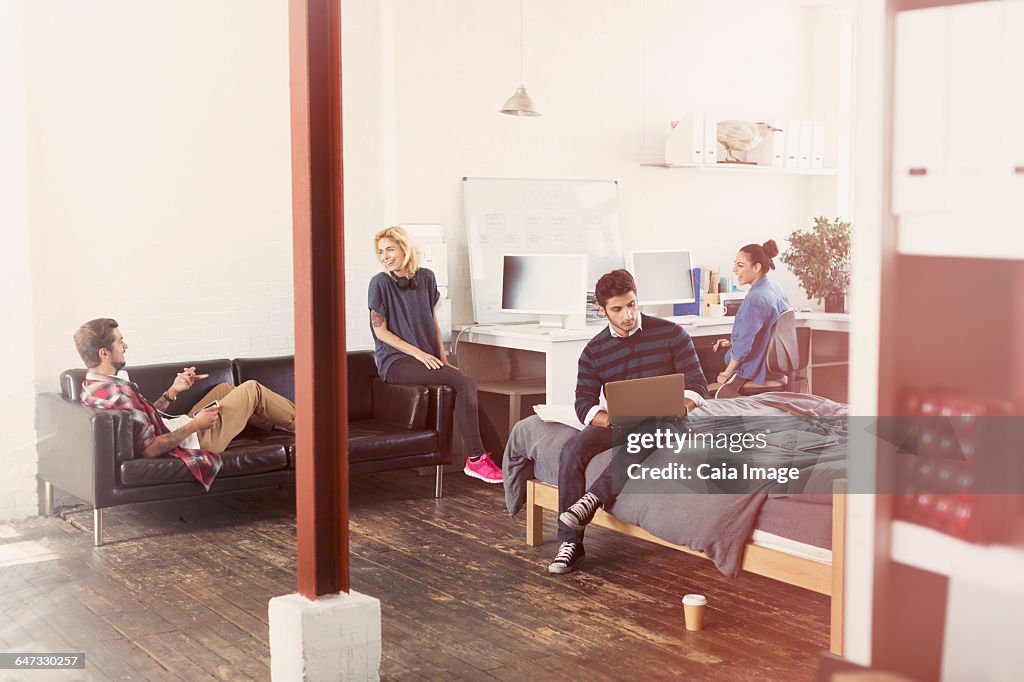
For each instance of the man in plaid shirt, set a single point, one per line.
(196, 438)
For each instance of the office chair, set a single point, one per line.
(782, 357)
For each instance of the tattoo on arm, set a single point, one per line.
(167, 442)
(161, 403)
(376, 319)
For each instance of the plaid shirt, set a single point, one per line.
(114, 393)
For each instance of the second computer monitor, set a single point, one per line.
(663, 276)
(552, 285)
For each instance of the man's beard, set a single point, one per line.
(118, 366)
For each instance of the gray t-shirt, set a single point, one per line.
(409, 315)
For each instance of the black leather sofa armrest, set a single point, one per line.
(440, 414)
(81, 448)
(401, 405)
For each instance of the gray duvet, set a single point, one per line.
(717, 524)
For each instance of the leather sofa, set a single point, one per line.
(89, 453)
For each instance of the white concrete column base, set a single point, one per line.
(337, 637)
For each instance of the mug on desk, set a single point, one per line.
(716, 310)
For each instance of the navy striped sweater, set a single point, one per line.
(659, 348)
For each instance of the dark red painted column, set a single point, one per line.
(319, 263)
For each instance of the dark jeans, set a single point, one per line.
(467, 418)
(572, 472)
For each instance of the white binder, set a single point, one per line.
(713, 152)
(792, 138)
(685, 144)
(818, 145)
(806, 141)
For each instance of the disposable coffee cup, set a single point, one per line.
(693, 611)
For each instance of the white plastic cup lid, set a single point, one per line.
(695, 600)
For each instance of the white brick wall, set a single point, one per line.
(368, 64)
(158, 191)
(17, 402)
(165, 200)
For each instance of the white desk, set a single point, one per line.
(486, 352)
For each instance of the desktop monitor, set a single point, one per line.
(663, 276)
(551, 285)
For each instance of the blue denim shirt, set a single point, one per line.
(760, 308)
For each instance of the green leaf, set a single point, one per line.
(820, 257)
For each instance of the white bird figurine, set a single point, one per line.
(742, 136)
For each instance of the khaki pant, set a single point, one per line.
(251, 403)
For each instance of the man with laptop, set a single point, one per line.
(632, 346)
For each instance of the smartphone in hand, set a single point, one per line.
(214, 403)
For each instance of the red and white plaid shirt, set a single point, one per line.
(114, 393)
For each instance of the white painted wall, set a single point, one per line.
(17, 399)
(159, 177)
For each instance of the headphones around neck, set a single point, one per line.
(404, 283)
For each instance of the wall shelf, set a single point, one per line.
(936, 552)
(740, 168)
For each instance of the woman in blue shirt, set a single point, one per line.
(407, 340)
(761, 307)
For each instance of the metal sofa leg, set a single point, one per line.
(438, 480)
(97, 527)
(47, 498)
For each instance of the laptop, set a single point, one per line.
(648, 397)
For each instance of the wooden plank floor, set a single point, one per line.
(181, 589)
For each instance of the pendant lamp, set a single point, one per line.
(520, 104)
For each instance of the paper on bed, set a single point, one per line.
(561, 414)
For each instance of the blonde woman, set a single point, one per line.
(407, 340)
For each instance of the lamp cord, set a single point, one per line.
(522, 49)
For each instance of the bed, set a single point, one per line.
(794, 535)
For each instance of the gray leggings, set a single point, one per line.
(409, 370)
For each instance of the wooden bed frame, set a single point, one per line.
(793, 570)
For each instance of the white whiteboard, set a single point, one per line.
(536, 216)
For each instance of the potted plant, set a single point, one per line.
(820, 258)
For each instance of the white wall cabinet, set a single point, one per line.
(919, 111)
(1013, 99)
(957, 107)
(974, 159)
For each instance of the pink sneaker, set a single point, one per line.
(483, 469)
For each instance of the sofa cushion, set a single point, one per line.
(369, 439)
(276, 373)
(251, 436)
(155, 379)
(239, 460)
(361, 370)
(404, 406)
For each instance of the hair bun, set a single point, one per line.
(771, 249)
